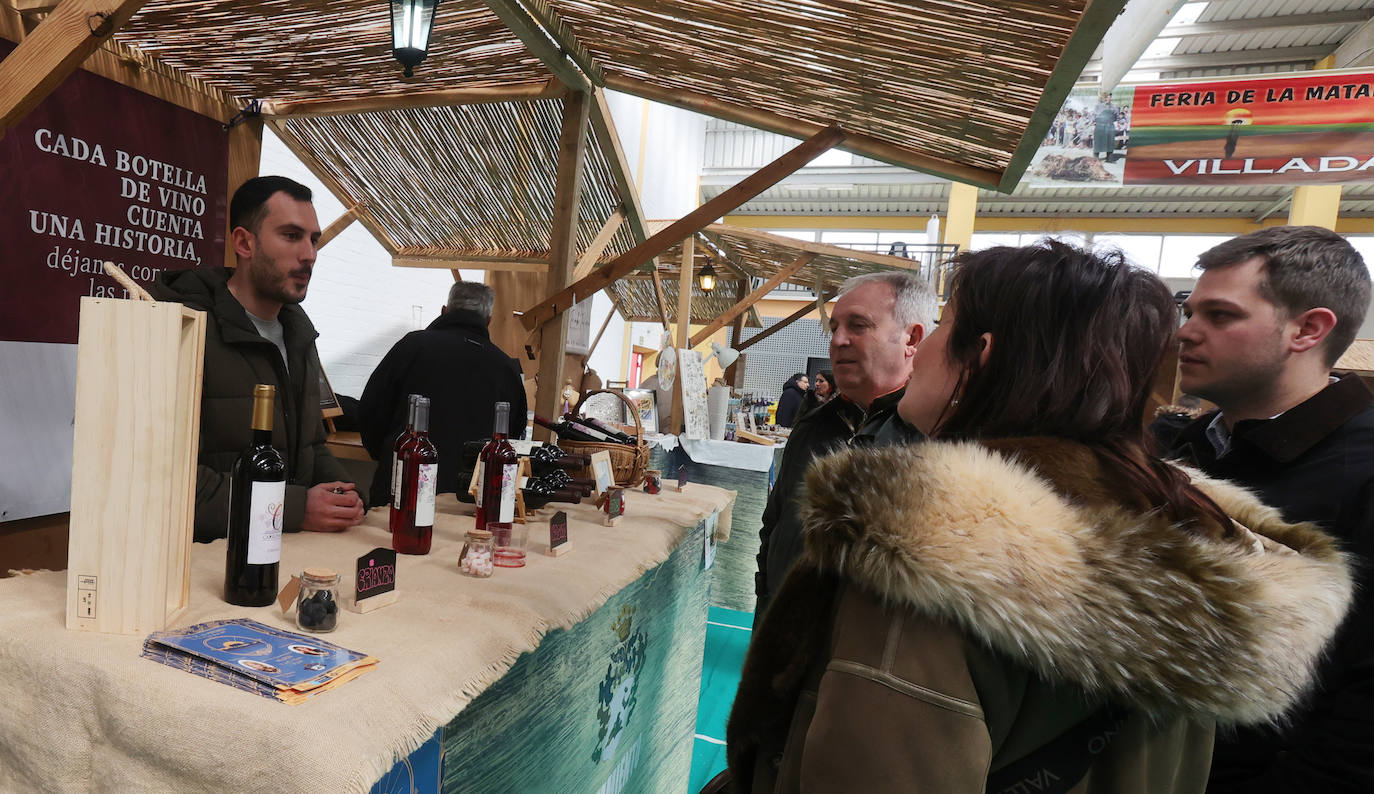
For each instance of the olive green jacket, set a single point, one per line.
(960, 608)
(236, 359)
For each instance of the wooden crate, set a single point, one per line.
(138, 382)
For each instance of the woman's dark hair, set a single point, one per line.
(1077, 339)
(829, 378)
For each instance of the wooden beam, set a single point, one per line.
(30, 6)
(757, 295)
(662, 299)
(315, 108)
(457, 276)
(55, 49)
(688, 225)
(553, 332)
(780, 324)
(340, 223)
(598, 246)
(458, 262)
(538, 41)
(860, 144)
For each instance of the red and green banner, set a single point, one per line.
(1292, 129)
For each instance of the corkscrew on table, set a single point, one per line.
(118, 274)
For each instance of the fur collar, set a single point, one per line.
(1025, 545)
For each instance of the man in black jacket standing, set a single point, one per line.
(455, 364)
(875, 327)
(1271, 313)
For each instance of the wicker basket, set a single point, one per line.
(628, 463)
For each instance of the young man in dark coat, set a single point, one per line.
(256, 332)
(875, 327)
(455, 364)
(1272, 312)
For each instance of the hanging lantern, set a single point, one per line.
(706, 279)
(411, 23)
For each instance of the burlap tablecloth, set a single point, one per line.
(82, 711)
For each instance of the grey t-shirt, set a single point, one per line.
(271, 330)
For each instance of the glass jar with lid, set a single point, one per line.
(317, 606)
(476, 558)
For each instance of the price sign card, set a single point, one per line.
(558, 534)
(374, 580)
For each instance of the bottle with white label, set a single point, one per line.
(257, 502)
(398, 451)
(499, 466)
(419, 475)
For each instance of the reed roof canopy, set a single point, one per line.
(457, 165)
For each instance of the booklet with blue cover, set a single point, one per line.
(248, 655)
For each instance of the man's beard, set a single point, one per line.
(269, 284)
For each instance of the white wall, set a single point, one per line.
(358, 302)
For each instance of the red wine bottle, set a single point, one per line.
(405, 437)
(257, 502)
(597, 424)
(419, 473)
(497, 481)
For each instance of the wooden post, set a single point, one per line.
(684, 227)
(245, 159)
(740, 308)
(572, 148)
(55, 49)
(780, 324)
(684, 324)
(587, 261)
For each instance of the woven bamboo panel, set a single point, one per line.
(309, 49)
(956, 78)
(759, 254)
(476, 179)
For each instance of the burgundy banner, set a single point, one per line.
(100, 171)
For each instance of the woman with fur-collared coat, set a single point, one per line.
(1030, 603)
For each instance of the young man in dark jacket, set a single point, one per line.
(1272, 312)
(455, 364)
(875, 327)
(256, 332)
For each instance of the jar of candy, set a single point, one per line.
(476, 559)
(653, 481)
(317, 606)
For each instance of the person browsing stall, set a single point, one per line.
(1030, 601)
(256, 332)
(455, 364)
(1271, 313)
(878, 321)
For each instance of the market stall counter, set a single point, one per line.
(574, 673)
(748, 470)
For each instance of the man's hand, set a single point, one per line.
(332, 507)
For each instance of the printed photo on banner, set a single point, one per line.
(1087, 142)
(1286, 129)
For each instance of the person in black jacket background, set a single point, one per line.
(455, 364)
(791, 399)
(1271, 313)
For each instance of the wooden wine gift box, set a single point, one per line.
(138, 382)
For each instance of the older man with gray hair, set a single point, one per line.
(875, 327)
(455, 364)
